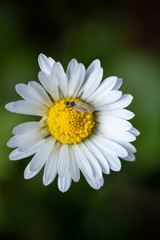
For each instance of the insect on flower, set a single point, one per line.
(80, 106)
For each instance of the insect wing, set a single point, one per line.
(83, 107)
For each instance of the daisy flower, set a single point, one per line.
(83, 126)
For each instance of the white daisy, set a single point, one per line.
(71, 136)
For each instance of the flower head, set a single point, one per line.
(83, 126)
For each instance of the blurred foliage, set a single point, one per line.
(125, 37)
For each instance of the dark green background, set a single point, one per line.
(125, 36)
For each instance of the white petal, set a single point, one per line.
(71, 68)
(93, 161)
(92, 82)
(105, 86)
(50, 84)
(109, 146)
(15, 141)
(31, 140)
(64, 183)
(27, 133)
(118, 84)
(58, 71)
(99, 156)
(95, 183)
(107, 98)
(26, 107)
(94, 65)
(27, 127)
(28, 173)
(130, 157)
(76, 80)
(120, 113)
(123, 102)
(42, 155)
(23, 90)
(63, 161)
(128, 146)
(16, 155)
(39, 93)
(113, 134)
(134, 131)
(73, 167)
(113, 161)
(45, 63)
(113, 122)
(82, 161)
(50, 170)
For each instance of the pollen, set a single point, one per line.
(67, 124)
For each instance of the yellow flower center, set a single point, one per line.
(68, 125)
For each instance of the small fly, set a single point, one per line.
(80, 106)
